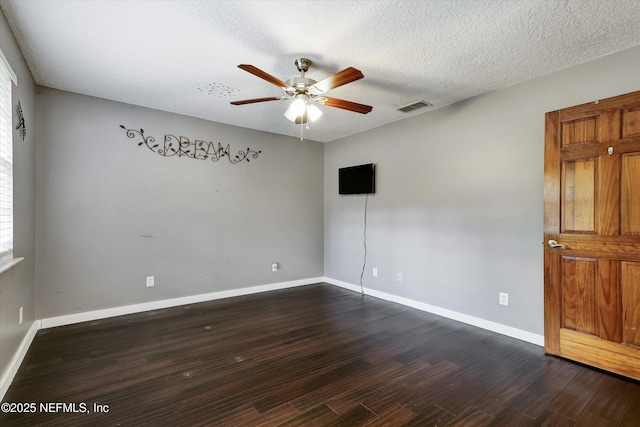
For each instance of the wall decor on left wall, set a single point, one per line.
(182, 146)
(21, 126)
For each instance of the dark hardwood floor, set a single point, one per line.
(314, 355)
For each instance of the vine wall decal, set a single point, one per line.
(22, 126)
(183, 146)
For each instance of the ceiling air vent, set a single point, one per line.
(414, 106)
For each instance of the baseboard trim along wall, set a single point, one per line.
(69, 319)
(17, 359)
(449, 314)
(51, 322)
(155, 305)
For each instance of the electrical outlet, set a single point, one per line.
(399, 277)
(21, 315)
(504, 298)
(150, 281)
(274, 267)
(375, 272)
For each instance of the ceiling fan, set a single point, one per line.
(304, 90)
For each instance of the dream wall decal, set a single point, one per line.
(181, 146)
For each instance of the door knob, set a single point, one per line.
(555, 244)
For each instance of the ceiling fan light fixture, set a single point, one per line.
(296, 109)
(300, 109)
(313, 112)
(302, 90)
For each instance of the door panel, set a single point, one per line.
(578, 294)
(608, 300)
(631, 302)
(579, 131)
(631, 119)
(592, 209)
(578, 191)
(630, 194)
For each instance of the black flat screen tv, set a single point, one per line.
(359, 179)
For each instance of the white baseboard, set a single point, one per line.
(7, 377)
(17, 359)
(156, 305)
(51, 322)
(449, 314)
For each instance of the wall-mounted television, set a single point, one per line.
(359, 179)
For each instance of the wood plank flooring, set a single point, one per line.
(315, 355)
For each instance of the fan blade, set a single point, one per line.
(343, 77)
(265, 76)
(347, 105)
(252, 101)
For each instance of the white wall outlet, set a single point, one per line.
(375, 272)
(504, 298)
(150, 281)
(399, 277)
(274, 267)
(21, 315)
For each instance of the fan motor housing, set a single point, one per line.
(302, 64)
(301, 82)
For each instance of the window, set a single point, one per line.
(6, 159)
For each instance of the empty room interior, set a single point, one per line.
(320, 213)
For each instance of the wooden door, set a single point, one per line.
(592, 211)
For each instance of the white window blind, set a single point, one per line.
(6, 160)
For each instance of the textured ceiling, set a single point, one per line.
(182, 56)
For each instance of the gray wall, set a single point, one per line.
(17, 284)
(111, 212)
(459, 202)
(458, 209)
